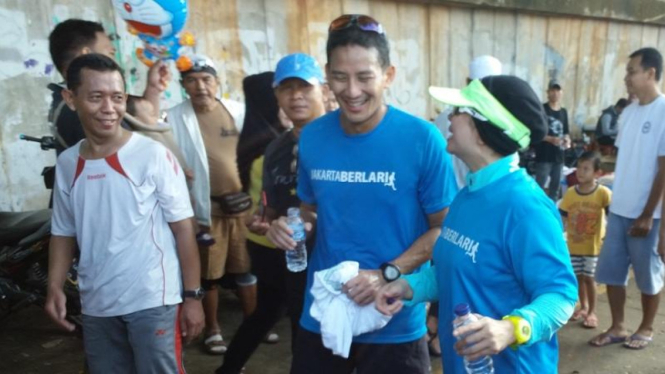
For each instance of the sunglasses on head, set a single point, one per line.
(363, 22)
(470, 111)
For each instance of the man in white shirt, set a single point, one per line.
(123, 199)
(207, 130)
(635, 211)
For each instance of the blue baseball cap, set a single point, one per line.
(298, 65)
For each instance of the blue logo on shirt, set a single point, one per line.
(646, 127)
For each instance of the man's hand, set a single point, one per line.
(363, 287)
(389, 297)
(257, 225)
(484, 337)
(661, 248)
(280, 234)
(566, 142)
(191, 319)
(554, 140)
(641, 226)
(159, 76)
(56, 308)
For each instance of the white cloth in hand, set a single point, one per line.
(340, 317)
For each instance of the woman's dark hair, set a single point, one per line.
(518, 98)
(261, 124)
(495, 138)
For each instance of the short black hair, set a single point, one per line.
(355, 36)
(92, 61)
(69, 37)
(622, 103)
(594, 157)
(651, 58)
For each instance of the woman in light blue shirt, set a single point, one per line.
(501, 249)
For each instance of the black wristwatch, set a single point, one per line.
(196, 294)
(390, 272)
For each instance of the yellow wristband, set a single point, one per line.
(522, 330)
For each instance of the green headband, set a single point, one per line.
(476, 96)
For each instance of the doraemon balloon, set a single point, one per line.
(158, 24)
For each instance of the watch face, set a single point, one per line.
(526, 330)
(391, 273)
(195, 294)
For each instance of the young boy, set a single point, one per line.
(583, 208)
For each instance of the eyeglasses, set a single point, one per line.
(470, 111)
(363, 22)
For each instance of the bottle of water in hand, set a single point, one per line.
(296, 259)
(483, 365)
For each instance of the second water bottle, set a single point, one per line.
(483, 365)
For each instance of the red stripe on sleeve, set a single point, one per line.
(79, 169)
(172, 161)
(114, 163)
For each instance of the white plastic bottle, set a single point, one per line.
(296, 259)
(483, 365)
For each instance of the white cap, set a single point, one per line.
(201, 63)
(484, 66)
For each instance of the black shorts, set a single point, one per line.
(311, 356)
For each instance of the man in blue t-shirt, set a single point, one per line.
(376, 182)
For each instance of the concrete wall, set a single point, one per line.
(641, 11)
(25, 70)
(432, 43)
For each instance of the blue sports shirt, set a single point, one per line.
(502, 252)
(373, 192)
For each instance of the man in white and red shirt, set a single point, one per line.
(123, 199)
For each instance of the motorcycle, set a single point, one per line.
(24, 244)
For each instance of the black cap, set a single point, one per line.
(521, 101)
(554, 85)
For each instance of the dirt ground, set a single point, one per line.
(30, 344)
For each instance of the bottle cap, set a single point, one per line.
(293, 212)
(462, 309)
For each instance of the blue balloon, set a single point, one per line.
(155, 18)
(158, 24)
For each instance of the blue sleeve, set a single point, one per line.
(437, 186)
(424, 286)
(541, 263)
(546, 314)
(304, 188)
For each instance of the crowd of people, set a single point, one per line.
(410, 214)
